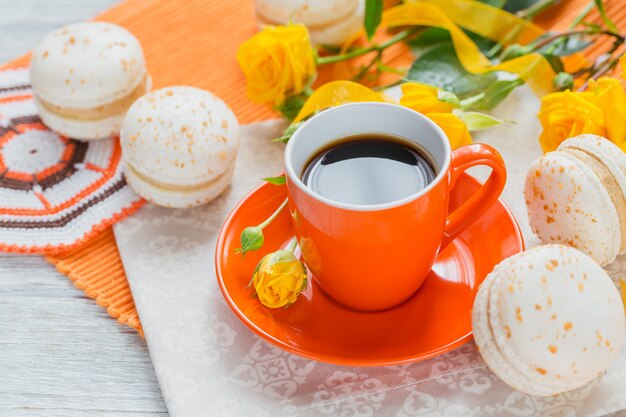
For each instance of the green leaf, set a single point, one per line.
(494, 94)
(276, 180)
(605, 18)
(440, 67)
(478, 121)
(517, 5)
(448, 97)
(434, 36)
(291, 129)
(291, 107)
(373, 16)
(429, 38)
(495, 3)
(555, 62)
(470, 102)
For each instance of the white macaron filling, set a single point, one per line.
(113, 108)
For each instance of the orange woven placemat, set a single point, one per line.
(194, 42)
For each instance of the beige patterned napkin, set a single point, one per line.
(210, 364)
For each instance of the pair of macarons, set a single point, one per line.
(178, 144)
(548, 320)
(576, 196)
(330, 22)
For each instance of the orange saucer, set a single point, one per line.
(436, 319)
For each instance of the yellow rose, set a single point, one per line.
(454, 128)
(567, 114)
(610, 97)
(279, 278)
(277, 62)
(426, 100)
(423, 99)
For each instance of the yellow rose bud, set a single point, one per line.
(279, 278)
(610, 97)
(424, 99)
(567, 114)
(437, 105)
(277, 62)
(454, 128)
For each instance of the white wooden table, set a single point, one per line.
(61, 354)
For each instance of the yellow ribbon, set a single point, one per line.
(484, 20)
(532, 68)
(488, 21)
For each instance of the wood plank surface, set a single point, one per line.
(60, 353)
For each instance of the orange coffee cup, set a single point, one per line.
(373, 257)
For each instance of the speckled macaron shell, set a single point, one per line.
(567, 203)
(180, 136)
(604, 150)
(86, 65)
(611, 156)
(312, 13)
(490, 351)
(556, 318)
(486, 345)
(336, 33)
(177, 198)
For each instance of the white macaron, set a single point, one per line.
(85, 76)
(577, 196)
(548, 320)
(329, 22)
(179, 146)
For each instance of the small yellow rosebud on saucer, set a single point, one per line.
(279, 278)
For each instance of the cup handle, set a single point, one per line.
(464, 158)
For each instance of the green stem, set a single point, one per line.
(598, 70)
(273, 216)
(526, 14)
(535, 9)
(611, 64)
(292, 245)
(367, 67)
(399, 37)
(568, 33)
(584, 12)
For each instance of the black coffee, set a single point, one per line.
(369, 169)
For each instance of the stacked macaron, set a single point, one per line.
(548, 320)
(179, 146)
(329, 22)
(85, 77)
(577, 196)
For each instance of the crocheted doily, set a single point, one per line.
(55, 192)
